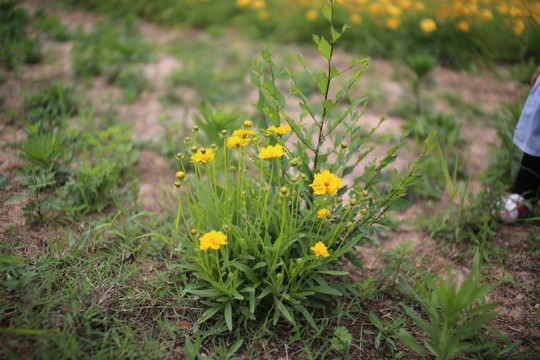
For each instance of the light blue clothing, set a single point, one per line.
(527, 136)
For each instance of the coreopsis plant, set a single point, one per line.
(265, 217)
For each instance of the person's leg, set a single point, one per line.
(528, 179)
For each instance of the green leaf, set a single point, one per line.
(328, 104)
(325, 48)
(325, 290)
(327, 11)
(228, 315)
(410, 341)
(285, 312)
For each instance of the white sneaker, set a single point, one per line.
(513, 208)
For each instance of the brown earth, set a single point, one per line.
(518, 302)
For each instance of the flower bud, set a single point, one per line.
(180, 156)
(195, 128)
(279, 276)
(194, 232)
(177, 184)
(248, 124)
(180, 175)
(243, 194)
(365, 193)
(193, 149)
(226, 227)
(232, 168)
(344, 145)
(284, 190)
(265, 190)
(363, 211)
(223, 132)
(299, 261)
(303, 176)
(353, 201)
(187, 140)
(230, 275)
(328, 215)
(294, 179)
(256, 140)
(294, 163)
(213, 146)
(202, 150)
(339, 199)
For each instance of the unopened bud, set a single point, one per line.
(213, 146)
(328, 215)
(303, 176)
(230, 275)
(193, 149)
(177, 184)
(194, 232)
(279, 276)
(365, 193)
(294, 163)
(294, 179)
(299, 261)
(180, 156)
(180, 175)
(248, 124)
(202, 150)
(226, 227)
(224, 132)
(284, 190)
(256, 140)
(339, 199)
(187, 140)
(344, 145)
(243, 194)
(363, 211)
(195, 128)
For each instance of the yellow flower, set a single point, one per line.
(419, 6)
(320, 249)
(428, 25)
(463, 26)
(258, 4)
(312, 15)
(212, 240)
(242, 133)
(237, 141)
(248, 124)
(180, 175)
(405, 4)
(519, 26)
(271, 152)
(203, 155)
(515, 12)
(392, 23)
(326, 182)
(243, 3)
(322, 214)
(486, 14)
(280, 130)
(356, 18)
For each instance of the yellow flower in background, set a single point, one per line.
(312, 15)
(320, 249)
(485, 14)
(392, 23)
(271, 152)
(463, 26)
(243, 3)
(419, 6)
(356, 18)
(243, 133)
(515, 12)
(280, 130)
(180, 175)
(258, 4)
(323, 213)
(428, 25)
(519, 26)
(203, 155)
(326, 182)
(405, 4)
(237, 141)
(212, 240)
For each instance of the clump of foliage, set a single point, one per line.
(267, 233)
(15, 45)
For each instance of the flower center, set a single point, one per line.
(327, 183)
